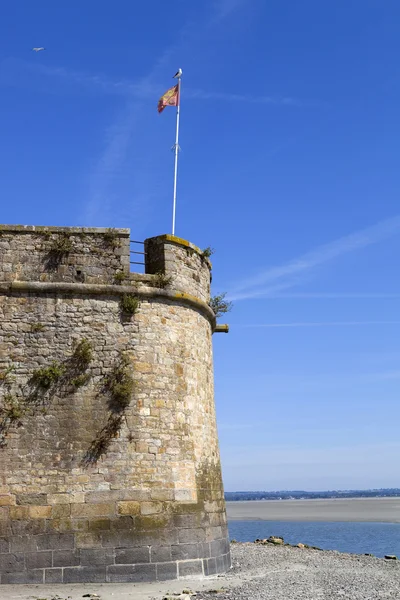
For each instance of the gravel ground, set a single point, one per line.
(271, 572)
(258, 573)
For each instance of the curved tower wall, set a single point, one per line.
(109, 464)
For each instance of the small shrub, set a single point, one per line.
(219, 305)
(207, 252)
(12, 410)
(129, 304)
(6, 375)
(62, 245)
(83, 354)
(80, 380)
(120, 386)
(161, 280)
(111, 238)
(46, 377)
(37, 327)
(119, 277)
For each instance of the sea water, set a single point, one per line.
(358, 538)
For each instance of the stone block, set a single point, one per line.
(99, 525)
(85, 574)
(213, 533)
(132, 555)
(61, 498)
(160, 554)
(22, 543)
(128, 507)
(7, 500)
(61, 511)
(55, 541)
(152, 522)
(204, 550)
(39, 560)
(37, 499)
(185, 551)
(188, 521)
(53, 575)
(167, 571)
(218, 547)
(151, 508)
(131, 573)
(39, 512)
(4, 546)
(96, 556)
(102, 509)
(227, 561)
(66, 558)
(124, 523)
(34, 527)
(162, 494)
(210, 566)
(192, 535)
(36, 576)
(12, 563)
(19, 512)
(190, 568)
(88, 540)
(220, 564)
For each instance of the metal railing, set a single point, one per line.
(135, 252)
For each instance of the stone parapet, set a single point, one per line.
(182, 262)
(63, 254)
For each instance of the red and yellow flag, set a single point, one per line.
(170, 98)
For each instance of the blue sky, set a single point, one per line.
(289, 168)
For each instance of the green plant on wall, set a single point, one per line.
(207, 252)
(111, 238)
(119, 385)
(59, 248)
(119, 277)
(161, 280)
(60, 377)
(83, 354)
(45, 377)
(219, 305)
(129, 304)
(118, 389)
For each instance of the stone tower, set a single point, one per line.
(109, 458)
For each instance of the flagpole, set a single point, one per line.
(178, 110)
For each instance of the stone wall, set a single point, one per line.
(95, 486)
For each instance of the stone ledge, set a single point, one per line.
(42, 229)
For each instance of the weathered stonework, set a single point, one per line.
(90, 491)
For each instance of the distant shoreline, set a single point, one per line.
(367, 510)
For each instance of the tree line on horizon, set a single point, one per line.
(303, 495)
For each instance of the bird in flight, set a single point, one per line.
(38, 49)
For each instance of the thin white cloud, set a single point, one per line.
(277, 279)
(118, 140)
(321, 324)
(26, 74)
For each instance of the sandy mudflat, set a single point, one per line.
(379, 510)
